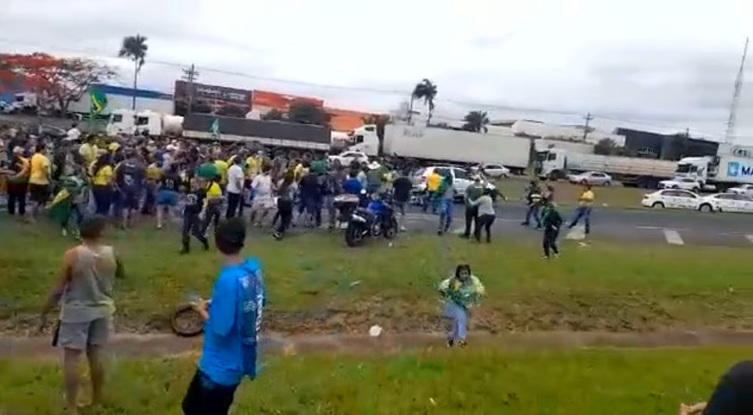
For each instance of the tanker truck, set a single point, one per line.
(124, 121)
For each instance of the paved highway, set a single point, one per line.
(619, 225)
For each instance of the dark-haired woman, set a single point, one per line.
(102, 175)
(460, 292)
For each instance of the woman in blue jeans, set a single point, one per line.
(460, 292)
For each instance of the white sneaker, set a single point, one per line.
(65, 232)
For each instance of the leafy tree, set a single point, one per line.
(308, 113)
(380, 121)
(134, 48)
(57, 82)
(273, 115)
(426, 91)
(476, 121)
(606, 147)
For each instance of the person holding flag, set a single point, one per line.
(460, 293)
(66, 205)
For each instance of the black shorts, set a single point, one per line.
(130, 198)
(205, 397)
(39, 193)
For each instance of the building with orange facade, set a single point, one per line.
(265, 101)
(340, 119)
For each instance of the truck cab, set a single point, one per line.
(123, 121)
(551, 164)
(365, 140)
(699, 168)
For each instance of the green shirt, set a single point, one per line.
(473, 192)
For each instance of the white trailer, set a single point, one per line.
(732, 166)
(438, 144)
(124, 121)
(631, 171)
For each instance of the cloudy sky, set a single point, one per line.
(662, 65)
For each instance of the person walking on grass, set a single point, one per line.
(460, 293)
(130, 177)
(552, 221)
(233, 323)
(85, 293)
(40, 176)
(533, 200)
(193, 212)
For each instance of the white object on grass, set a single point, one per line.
(375, 331)
(673, 237)
(577, 233)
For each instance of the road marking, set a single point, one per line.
(577, 233)
(750, 238)
(673, 237)
(649, 227)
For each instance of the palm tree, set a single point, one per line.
(134, 48)
(476, 121)
(427, 91)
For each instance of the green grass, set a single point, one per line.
(311, 282)
(470, 381)
(566, 194)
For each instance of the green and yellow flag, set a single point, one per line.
(99, 102)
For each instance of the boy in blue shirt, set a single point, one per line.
(233, 321)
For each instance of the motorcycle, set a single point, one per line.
(345, 204)
(377, 220)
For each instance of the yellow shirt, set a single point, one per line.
(253, 166)
(214, 194)
(104, 176)
(586, 198)
(89, 152)
(22, 175)
(40, 170)
(153, 172)
(222, 166)
(433, 182)
(298, 171)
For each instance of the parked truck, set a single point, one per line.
(123, 121)
(268, 133)
(556, 163)
(444, 145)
(731, 166)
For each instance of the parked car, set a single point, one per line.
(350, 156)
(594, 178)
(671, 199)
(743, 189)
(494, 170)
(685, 183)
(726, 202)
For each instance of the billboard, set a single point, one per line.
(232, 102)
(265, 101)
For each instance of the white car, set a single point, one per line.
(743, 189)
(594, 178)
(726, 202)
(348, 157)
(684, 183)
(494, 170)
(671, 199)
(460, 178)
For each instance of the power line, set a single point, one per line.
(405, 93)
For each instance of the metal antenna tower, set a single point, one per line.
(729, 135)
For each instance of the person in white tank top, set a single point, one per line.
(85, 294)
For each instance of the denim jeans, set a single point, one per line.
(445, 214)
(459, 321)
(582, 212)
(533, 211)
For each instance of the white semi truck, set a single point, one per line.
(444, 145)
(732, 166)
(556, 163)
(124, 121)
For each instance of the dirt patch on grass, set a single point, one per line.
(578, 312)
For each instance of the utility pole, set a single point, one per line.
(588, 119)
(189, 75)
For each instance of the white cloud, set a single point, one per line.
(667, 65)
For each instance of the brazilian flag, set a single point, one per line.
(99, 102)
